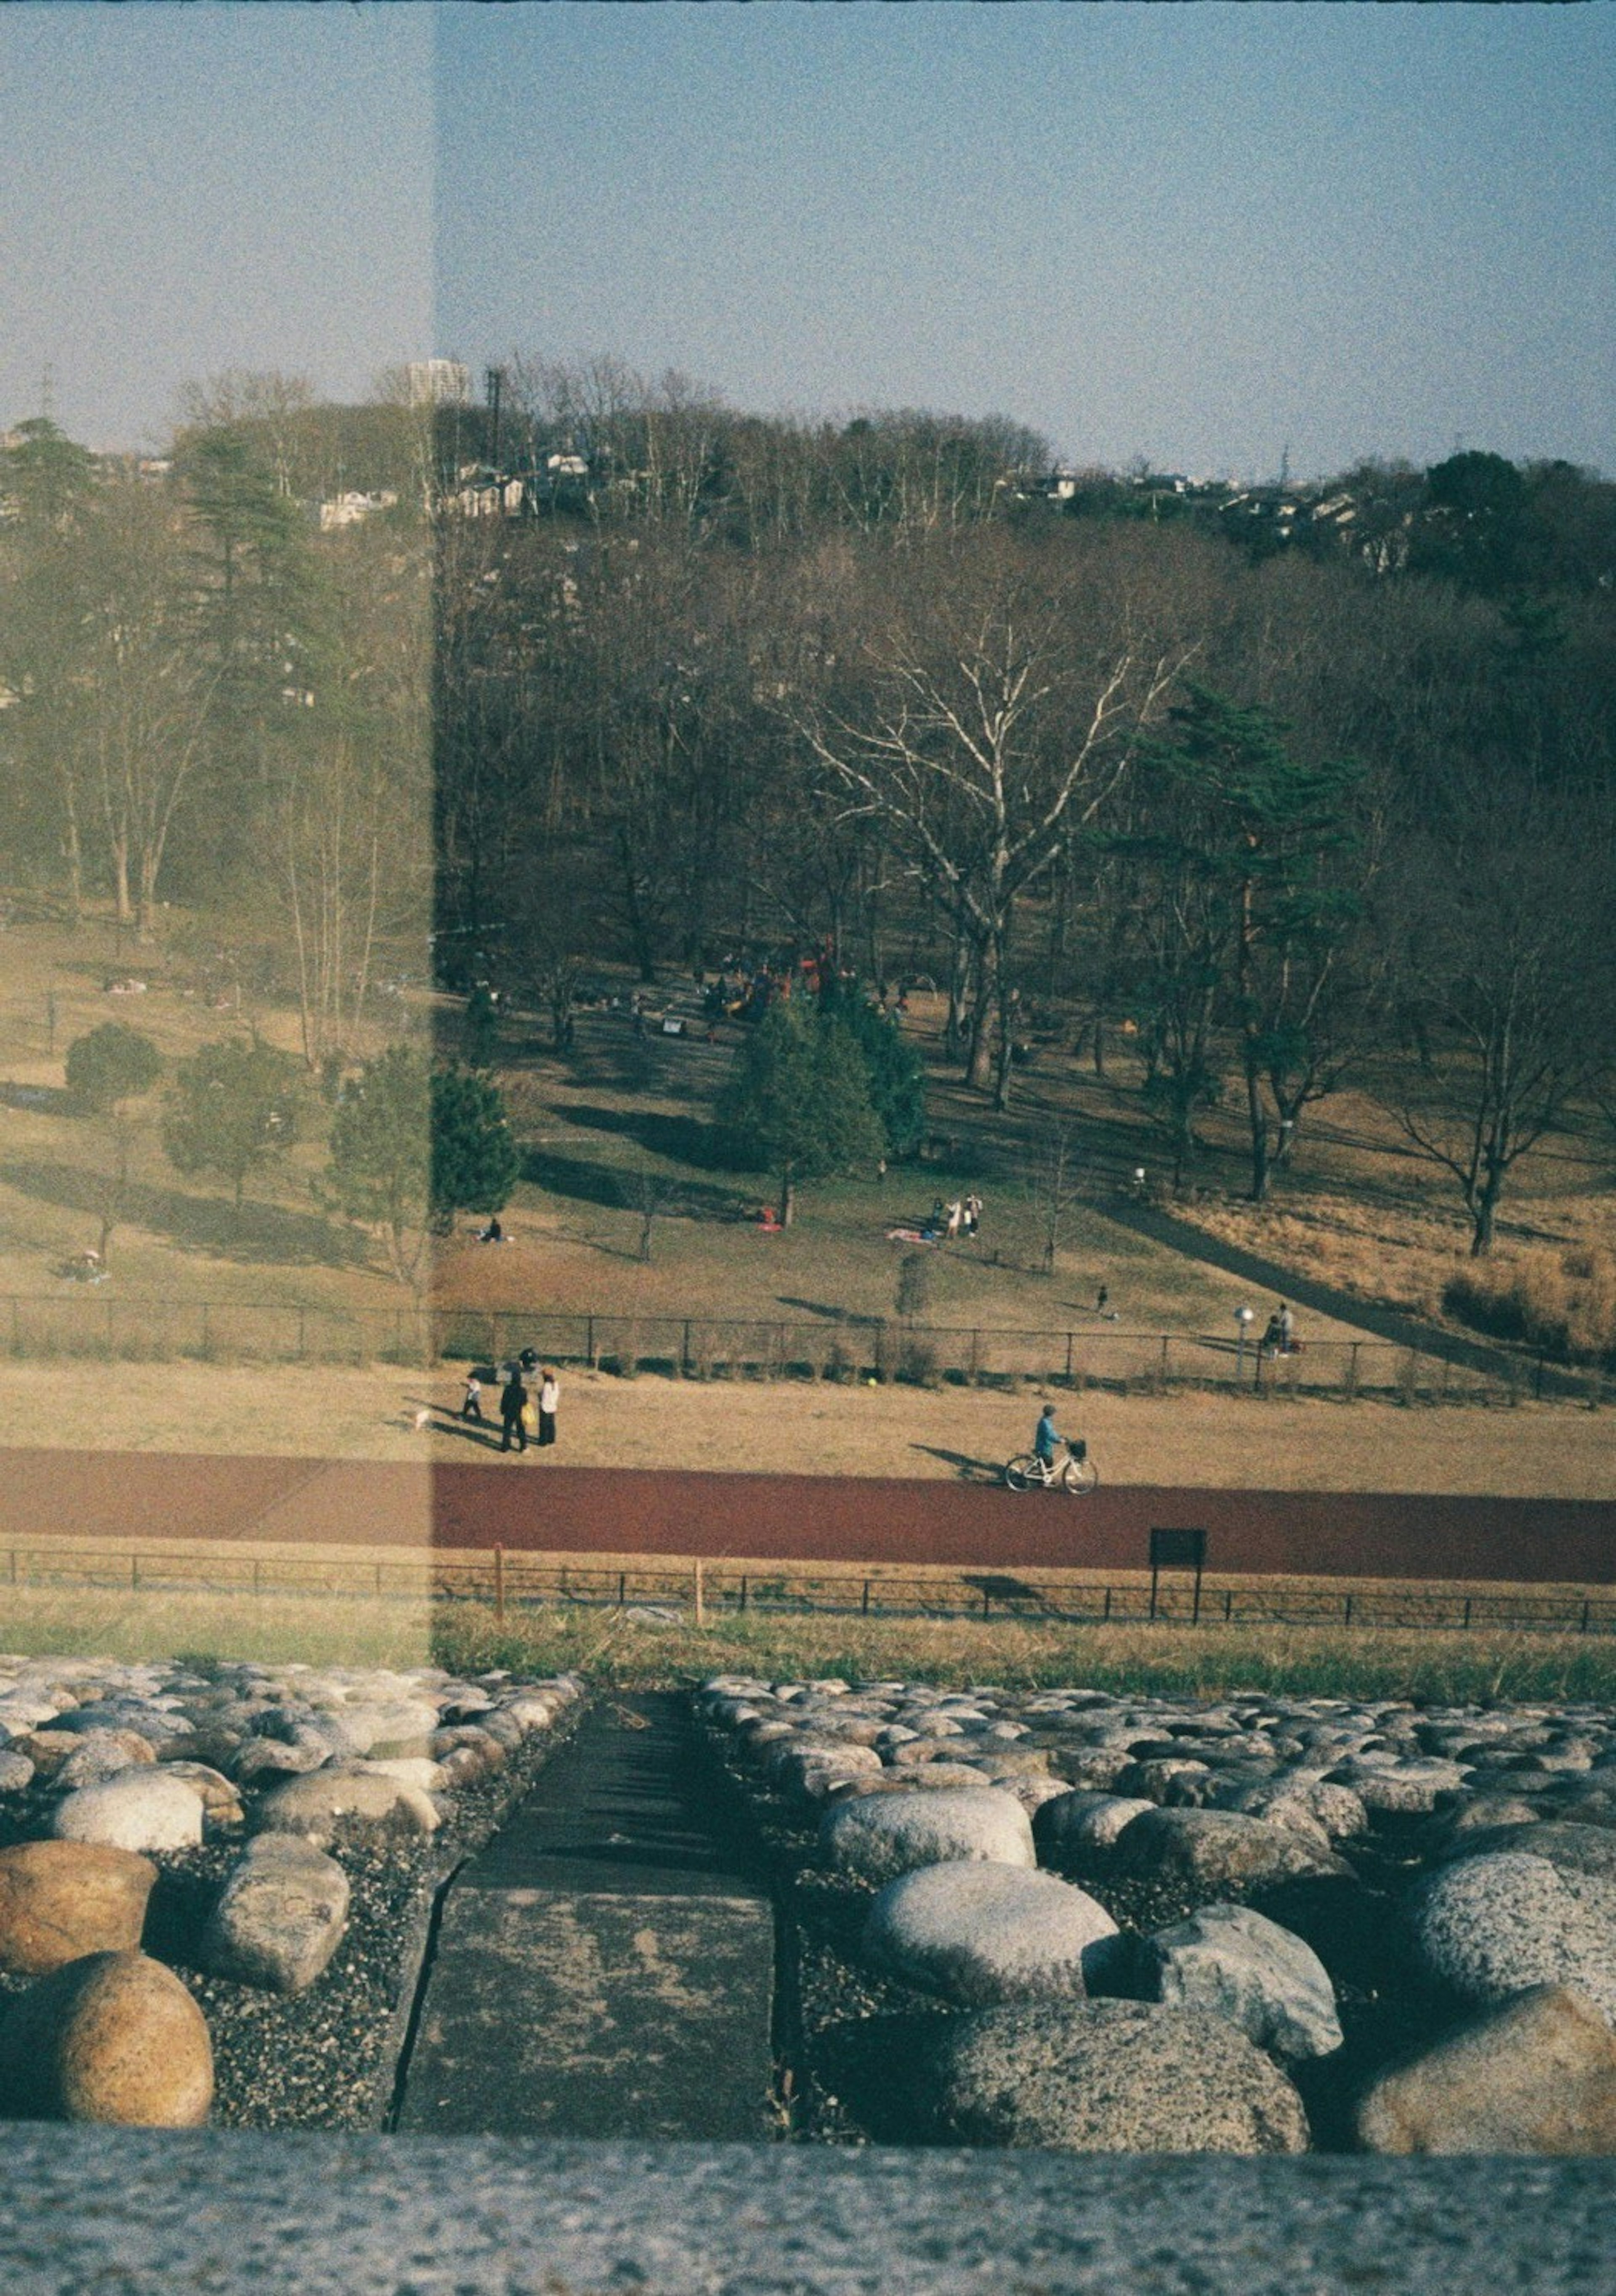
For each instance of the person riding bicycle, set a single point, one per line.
(1046, 1440)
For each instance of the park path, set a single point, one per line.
(532, 1505)
(604, 1966)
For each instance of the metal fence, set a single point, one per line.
(513, 1583)
(105, 1325)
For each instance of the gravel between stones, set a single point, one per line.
(323, 2059)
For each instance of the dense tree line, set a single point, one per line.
(1286, 817)
(1101, 767)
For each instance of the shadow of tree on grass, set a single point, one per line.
(615, 1189)
(212, 1223)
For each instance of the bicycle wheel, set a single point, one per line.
(1079, 1477)
(1022, 1473)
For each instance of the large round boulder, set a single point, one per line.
(1537, 2075)
(879, 1836)
(979, 1932)
(1216, 1850)
(60, 1900)
(340, 1804)
(113, 2037)
(1109, 2077)
(145, 1808)
(1491, 1926)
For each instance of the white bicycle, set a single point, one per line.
(1076, 1474)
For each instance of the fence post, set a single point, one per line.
(684, 1351)
(499, 1585)
(1068, 1358)
(134, 1572)
(622, 1589)
(1352, 1372)
(743, 1590)
(865, 1602)
(589, 1343)
(700, 1593)
(1163, 1374)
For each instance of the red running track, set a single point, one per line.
(533, 1505)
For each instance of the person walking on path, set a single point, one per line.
(513, 1403)
(472, 1407)
(1046, 1436)
(549, 1402)
(1286, 1322)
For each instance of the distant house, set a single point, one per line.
(354, 509)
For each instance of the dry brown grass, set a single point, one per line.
(616, 1651)
(1191, 1439)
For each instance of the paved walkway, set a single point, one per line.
(604, 1967)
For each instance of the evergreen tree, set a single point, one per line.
(113, 1063)
(798, 1100)
(234, 1105)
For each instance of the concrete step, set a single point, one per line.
(604, 1968)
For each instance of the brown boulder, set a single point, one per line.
(113, 2038)
(1537, 2075)
(60, 1900)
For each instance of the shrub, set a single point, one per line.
(1561, 1304)
(917, 1364)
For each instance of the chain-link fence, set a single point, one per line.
(100, 1325)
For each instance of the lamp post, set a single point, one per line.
(1242, 1326)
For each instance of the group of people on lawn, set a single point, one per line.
(522, 1412)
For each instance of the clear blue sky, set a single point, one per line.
(188, 189)
(1198, 234)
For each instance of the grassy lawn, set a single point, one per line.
(622, 1113)
(1191, 1439)
(618, 1652)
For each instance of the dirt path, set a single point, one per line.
(534, 1504)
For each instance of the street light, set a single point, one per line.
(1243, 1325)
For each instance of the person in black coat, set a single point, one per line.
(513, 1403)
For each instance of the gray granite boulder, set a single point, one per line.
(1213, 1849)
(280, 1918)
(140, 1809)
(336, 1804)
(1401, 1788)
(1491, 1926)
(1571, 1847)
(1245, 1968)
(879, 1836)
(1107, 2076)
(977, 1933)
(1080, 1823)
(1537, 2075)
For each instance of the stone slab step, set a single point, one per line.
(604, 1968)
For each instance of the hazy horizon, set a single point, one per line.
(1205, 238)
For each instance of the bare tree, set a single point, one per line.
(1506, 962)
(985, 722)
